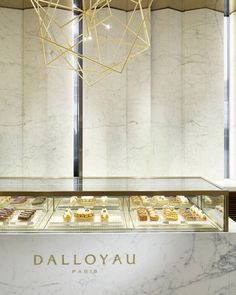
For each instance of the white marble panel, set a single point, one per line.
(104, 136)
(138, 107)
(166, 106)
(165, 264)
(203, 93)
(48, 109)
(11, 81)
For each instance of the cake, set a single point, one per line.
(104, 199)
(4, 200)
(5, 213)
(136, 200)
(145, 200)
(38, 201)
(67, 215)
(198, 213)
(161, 200)
(25, 215)
(182, 199)
(142, 214)
(87, 201)
(84, 214)
(19, 200)
(170, 214)
(104, 215)
(152, 214)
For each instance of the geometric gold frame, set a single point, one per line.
(109, 38)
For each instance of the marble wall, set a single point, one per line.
(11, 91)
(36, 104)
(47, 109)
(203, 93)
(163, 116)
(173, 112)
(166, 93)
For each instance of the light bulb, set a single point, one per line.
(107, 26)
(90, 38)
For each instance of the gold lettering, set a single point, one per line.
(87, 258)
(52, 259)
(104, 258)
(133, 260)
(38, 259)
(63, 260)
(117, 259)
(75, 261)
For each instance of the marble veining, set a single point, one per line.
(165, 263)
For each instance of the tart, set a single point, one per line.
(84, 214)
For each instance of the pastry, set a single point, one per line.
(87, 200)
(142, 214)
(38, 201)
(26, 214)
(19, 200)
(182, 199)
(104, 199)
(74, 200)
(136, 200)
(189, 215)
(4, 200)
(145, 200)
(104, 215)
(152, 214)
(67, 215)
(5, 213)
(161, 200)
(198, 213)
(170, 214)
(83, 214)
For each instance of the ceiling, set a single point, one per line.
(127, 5)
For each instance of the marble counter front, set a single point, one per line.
(118, 264)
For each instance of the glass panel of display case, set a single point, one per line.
(44, 205)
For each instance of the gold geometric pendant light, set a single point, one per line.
(93, 39)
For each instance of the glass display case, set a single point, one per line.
(111, 204)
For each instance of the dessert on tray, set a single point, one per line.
(38, 201)
(142, 214)
(169, 213)
(18, 200)
(5, 213)
(87, 201)
(182, 199)
(84, 214)
(152, 214)
(25, 215)
(136, 200)
(104, 215)
(68, 215)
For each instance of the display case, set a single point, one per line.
(111, 204)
